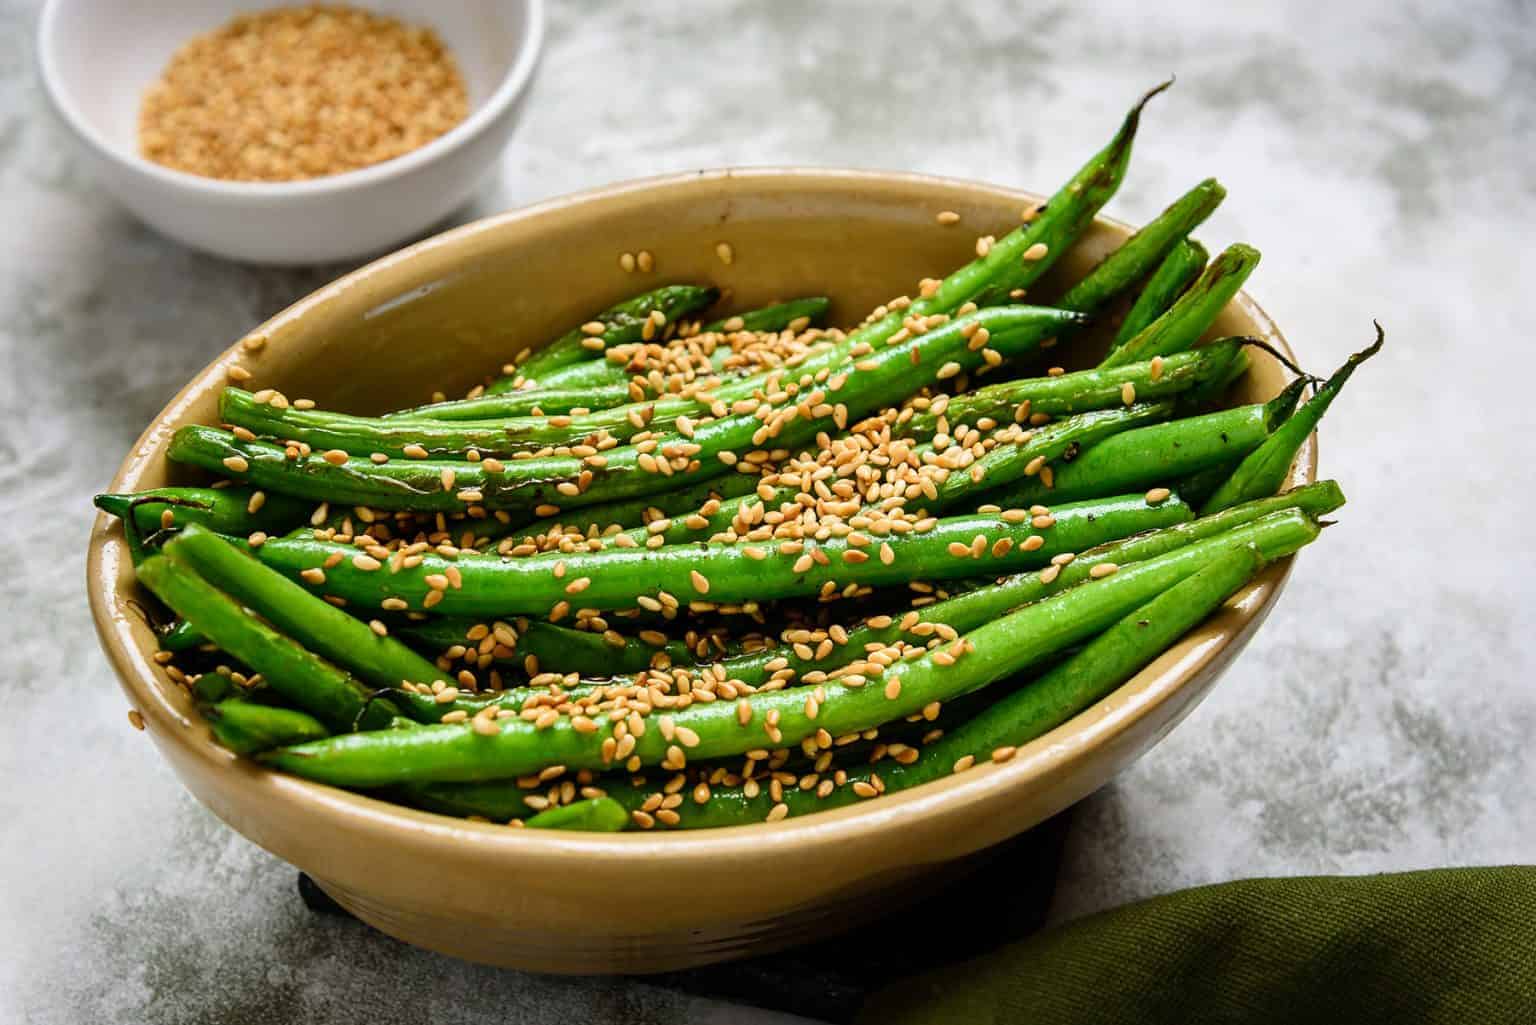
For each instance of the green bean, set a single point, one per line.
(593, 815)
(1030, 711)
(632, 512)
(226, 510)
(1278, 526)
(398, 437)
(1193, 312)
(376, 659)
(523, 485)
(1197, 488)
(1077, 392)
(1266, 467)
(524, 402)
(1179, 269)
(1140, 254)
(609, 372)
(1209, 392)
(246, 727)
(459, 753)
(572, 651)
(211, 688)
(1146, 456)
(1064, 217)
(623, 322)
(776, 317)
(314, 685)
(1059, 440)
(613, 578)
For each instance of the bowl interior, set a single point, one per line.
(101, 55)
(448, 311)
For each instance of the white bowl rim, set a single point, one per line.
(511, 85)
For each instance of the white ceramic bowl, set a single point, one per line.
(97, 57)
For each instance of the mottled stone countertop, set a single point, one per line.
(1380, 155)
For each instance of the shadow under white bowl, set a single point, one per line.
(97, 58)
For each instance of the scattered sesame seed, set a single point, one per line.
(947, 217)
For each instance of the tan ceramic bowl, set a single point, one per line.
(441, 314)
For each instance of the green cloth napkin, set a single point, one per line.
(1441, 946)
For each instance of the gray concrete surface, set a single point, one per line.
(1378, 153)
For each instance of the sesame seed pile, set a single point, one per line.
(300, 92)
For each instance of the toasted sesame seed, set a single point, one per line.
(726, 254)
(1128, 393)
(947, 217)
(414, 451)
(948, 370)
(1049, 574)
(1102, 570)
(135, 719)
(1004, 753)
(1156, 369)
(1036, 252)
(645, 261)
(964, 762)
(893, 688)
(1158, 495)
(238, 464)
(700, 581)
(578, 585)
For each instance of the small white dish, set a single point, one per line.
(97, 57)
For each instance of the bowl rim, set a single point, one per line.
(1037, 763)
(512, 83)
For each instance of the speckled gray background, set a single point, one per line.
(1379, 154)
